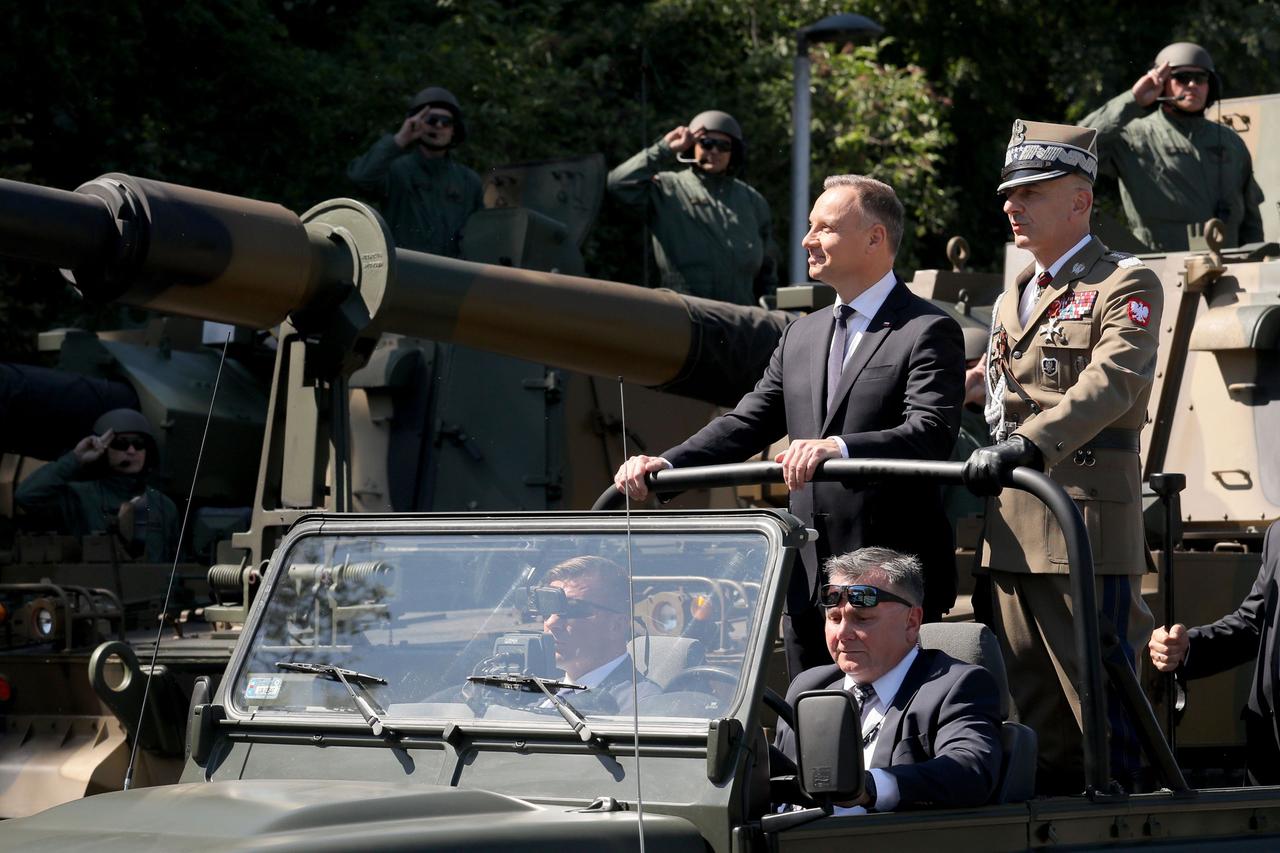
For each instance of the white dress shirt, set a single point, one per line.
(864, 305)
(873, 714)
(1029, 292)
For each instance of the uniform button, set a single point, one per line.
(1017, 353)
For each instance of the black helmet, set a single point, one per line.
(131, 421)
(1183, 54)
(438, 96)
(722, 122)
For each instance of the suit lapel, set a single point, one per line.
(911, 684)
(875, 335)
(1074, 267)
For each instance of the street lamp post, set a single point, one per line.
(846, 27)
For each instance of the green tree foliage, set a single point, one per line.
(271, 98)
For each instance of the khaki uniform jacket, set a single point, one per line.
(1174, 170)
(712, 234)
(1093, 373)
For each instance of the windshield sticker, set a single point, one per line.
(263, 687)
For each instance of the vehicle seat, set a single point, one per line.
(974, 643)
(660, 658)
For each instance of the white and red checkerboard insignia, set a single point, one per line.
(1139, 312)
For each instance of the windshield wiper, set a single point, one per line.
(523, 682)
(339, 674)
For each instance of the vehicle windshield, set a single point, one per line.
(450, 625)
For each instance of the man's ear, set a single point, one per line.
(877, 236)
(1082, 202)
(915, 617)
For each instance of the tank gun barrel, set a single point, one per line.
(219, 257)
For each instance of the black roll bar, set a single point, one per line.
(1079, 555)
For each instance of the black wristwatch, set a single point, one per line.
(869, 785)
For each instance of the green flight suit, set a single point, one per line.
(711, 233)
(1174, 169)
(426, 201)
(60, 495)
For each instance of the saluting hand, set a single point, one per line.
(680, 139)
(90, 448)
(800, 459)
(413, 129)
(1169, 648)
(1150, 85)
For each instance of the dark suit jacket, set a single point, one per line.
(940, 738)
(1248, 634)
(899, 397)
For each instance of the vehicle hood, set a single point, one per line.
(330, 816)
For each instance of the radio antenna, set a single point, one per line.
(168, 594)
(631, 602)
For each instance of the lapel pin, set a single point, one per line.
(1077, 269)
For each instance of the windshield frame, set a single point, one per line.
(782, 532)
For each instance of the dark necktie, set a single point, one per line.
(839, 343)
(866, 694)
(1042, 281)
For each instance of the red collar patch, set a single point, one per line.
(1139, 312)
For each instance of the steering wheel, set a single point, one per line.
(701, 679)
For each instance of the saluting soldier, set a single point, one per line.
(1070, 366)
(712, 231)
(425, 194)
(1176, 167)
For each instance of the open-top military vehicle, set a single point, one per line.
(392, 691)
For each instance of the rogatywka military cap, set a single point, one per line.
(1039, 151)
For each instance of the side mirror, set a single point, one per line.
(829, 745)
(829, 768)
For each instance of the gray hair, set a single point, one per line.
(877, 201)
(903, 571)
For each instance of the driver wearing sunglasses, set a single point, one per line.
(930, 723)
(585, 607)
(100, 486)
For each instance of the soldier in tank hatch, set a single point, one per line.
(425, 194)
(712, 232)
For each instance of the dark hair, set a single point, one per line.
(612, 577)
(877, 201)
(903, 571)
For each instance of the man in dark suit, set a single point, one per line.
(879, 376)
(590, 634)
(930, 723)
(1246, 634)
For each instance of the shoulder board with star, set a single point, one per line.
(1122, 260)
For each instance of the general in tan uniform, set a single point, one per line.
(1072, 355)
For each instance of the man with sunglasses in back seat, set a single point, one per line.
(930, 723)
(1176, 167)
(424, 194)
(82, 492)
(711, 230)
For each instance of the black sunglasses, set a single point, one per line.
(439, 121)
(1188, 77)
(858, 595)
(716, 144)
(548, 601)
(123, 443)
